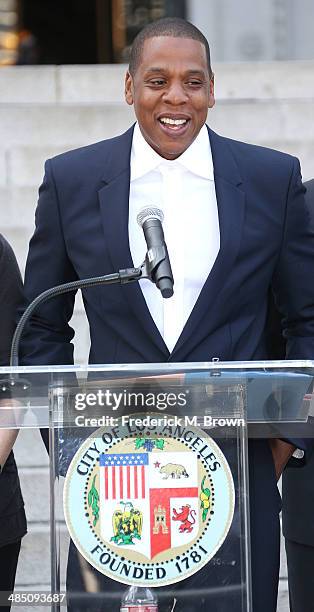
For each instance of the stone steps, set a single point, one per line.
(68, 126)
(103, 84)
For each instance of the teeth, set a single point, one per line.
(173, 121)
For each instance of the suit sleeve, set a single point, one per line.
(293, 280)
(47, 338)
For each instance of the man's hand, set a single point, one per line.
(281, 452)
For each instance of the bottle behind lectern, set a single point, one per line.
(139, 599)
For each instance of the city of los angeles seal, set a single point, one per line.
(148, 505)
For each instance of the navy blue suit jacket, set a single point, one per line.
(82, 231)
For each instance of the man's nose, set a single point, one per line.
(175, 94)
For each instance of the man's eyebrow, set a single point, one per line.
(196, 71)
(156, 69)
(164, 69)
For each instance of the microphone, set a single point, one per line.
(157, 258)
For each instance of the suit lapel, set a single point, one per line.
(114, 207)
(231, 207)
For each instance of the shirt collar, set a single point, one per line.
(197, 158)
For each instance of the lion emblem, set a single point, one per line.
(187, 518)
(127, 524)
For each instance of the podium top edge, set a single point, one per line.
(162, 367)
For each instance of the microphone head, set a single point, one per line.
(151, 212)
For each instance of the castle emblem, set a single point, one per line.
(160, 520)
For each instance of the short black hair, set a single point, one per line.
(168, 26)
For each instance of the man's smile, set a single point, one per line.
(173, 124)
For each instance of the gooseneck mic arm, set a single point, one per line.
(123, 276)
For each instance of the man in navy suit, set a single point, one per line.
(252, 236)
(298, 507)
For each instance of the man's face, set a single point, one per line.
(171, 91)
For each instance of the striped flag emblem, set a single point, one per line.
(123, 475)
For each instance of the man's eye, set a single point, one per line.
(157, 82)
(195, 83)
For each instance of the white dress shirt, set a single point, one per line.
(184, 189)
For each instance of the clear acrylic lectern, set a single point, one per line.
(149, 478)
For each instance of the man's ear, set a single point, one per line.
(211, 100)
(128, 89)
